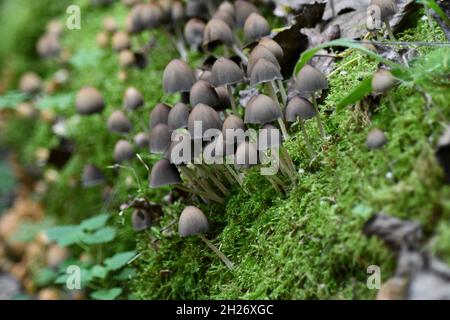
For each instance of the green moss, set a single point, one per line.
(307, 244)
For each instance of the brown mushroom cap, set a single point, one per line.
(272, 46)
(159, 114)
(102, 39)
(255, 27)
(207, 116)
(225, 17)
(55, 28)
(246, 155)
(159, 138)
(299, 107)
(232, 122)
(118, 122)
(30, 83)
(203, 92)
(121, 41)
(126, 58)
(216, 32)
(376, 139)
(224, 97)
(48, 46)
(243, 9)
(177, 12)
(164, 173)
(132, 99)
(123, 151)
(89, 100)
(226, 72)
(110, 24)
(192, 222)
(383, 81)
(92, 176)
(178, 77)
(260, 52)
(310, 80)
(262, 109)
(387, 8)
(264, 71)
(193, 32)
(196, 8)
(140, 220)
(178, 116)
(141, 140)
(150, 15)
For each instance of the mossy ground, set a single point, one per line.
(308, 244)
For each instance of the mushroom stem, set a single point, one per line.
(201, 194)
(389, 29)
(319, 122)
(233, 103)
(306, 137)
(239, 53)
(219, 253)
(388, 161)
(207, 190)
(282, 91)
(274, 184)
(236, 177)
(227, 175)
(206, 170)
(181, 46)
(287, 165)
(283, 129)
(272, 93)
(279, 182)
(392, 104)
(333, 10)
(427, 12)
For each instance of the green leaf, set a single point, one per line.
(45, 277)
(11, 99)
(110, 294)
(126, 274)
(103, 235)
(363, 89)
(99, 272)
(308, 54)
(65, 235)
(86, 58)
(362, 211)
(95, 222)
(56, 102)
(119, 260)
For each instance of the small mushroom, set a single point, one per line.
(225, 72)
(261, 109)
(89, 100)
(140, 220)
(121, 41)
(387, 8)
(133, 99)
(300, 109)
(225, 17)
(243, 9)
(264, 72)
(102, 39)
(178, 77)
(126, 58)
(118, 122)
(159, 114)
(123, 151)
(256, 27)
(260, 52)
(150, 16)
(227, 7)
(92, 176)
(30, 83)
(206, 116)
(218, 32)
(308, 81)
(178, 116)
(110, 24)
(48, 46)
(272, 46)
(141, 139)
(376, 139)
(203, 92)
(194, 222)
(193, 32)
(159, 138)
(224, 97)
(382, 82)
(164, 173)
(232, 124)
